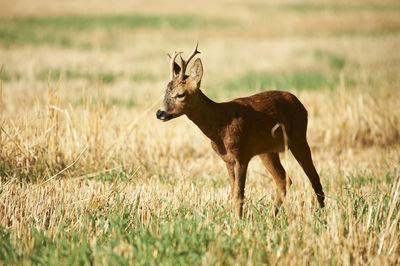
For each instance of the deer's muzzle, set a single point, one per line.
(163, 116)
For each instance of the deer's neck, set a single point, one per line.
(207, 115)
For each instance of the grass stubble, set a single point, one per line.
(103, 182)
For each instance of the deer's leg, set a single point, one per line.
(273, 164)
(231, 171)
(301, 151)
(240, 170)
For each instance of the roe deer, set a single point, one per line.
(242, 128)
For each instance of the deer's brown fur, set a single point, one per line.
(243, 128)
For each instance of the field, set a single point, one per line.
(88, 175)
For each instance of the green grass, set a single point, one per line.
(27, 35)
(255, 81)
(127, 102)
(105, 77)
(143, 76)
(29, 174)
(7, 76)
(321, 7)
(4, 76)
(119, 21)
(60, 30)
(182, 236)
(54, 74)
(336, 62)
(116, 175)
(201, 181)
(389, 30)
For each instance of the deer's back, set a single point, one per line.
(274, 103)
(254, 117)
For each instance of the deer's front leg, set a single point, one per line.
(240, 170)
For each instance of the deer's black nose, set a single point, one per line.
(163, 116)
(158, 114)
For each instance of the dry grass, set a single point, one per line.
(87, 174)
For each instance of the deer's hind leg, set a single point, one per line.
(301, 151)
(230, 166)
(273, 164)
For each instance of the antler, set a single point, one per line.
(186, 62)
(173, 57)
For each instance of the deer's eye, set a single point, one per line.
(180, 96)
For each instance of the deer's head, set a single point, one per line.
(181, 90)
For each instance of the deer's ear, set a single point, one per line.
(177, 68)
(196, 71)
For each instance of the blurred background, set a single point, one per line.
(246, 46)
